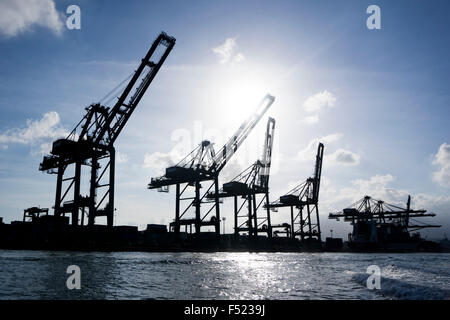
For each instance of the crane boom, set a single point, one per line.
(266, 159)
(227, 151)
(108, 123)
(123, 109)
(318, 172)
(255, 178)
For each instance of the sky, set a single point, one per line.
(377, 98)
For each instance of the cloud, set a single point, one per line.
(44, 148)
(378, 187)
(339, 157)
(231, 170)
(309, 152)
(238, 57)
(336, 198)
(158, 161)
(442, 159)
(319, 101)
(19, 16)
(311, 119)
(375, 186)
(36, 132)
(121, 157)
(439, 204)
(227, 52)
(344, 157)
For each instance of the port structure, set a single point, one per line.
(91, 144)
(304, 199)
(384, 215)
(251, 186)
(33, 213)
(203, 165)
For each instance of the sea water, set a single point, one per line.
(142, 275)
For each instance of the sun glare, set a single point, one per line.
(238, 97)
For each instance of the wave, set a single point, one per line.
(437, 269)
(169, 261)
(398, 289)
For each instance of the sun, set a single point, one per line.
(239, 96)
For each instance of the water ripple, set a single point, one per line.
(140, 275)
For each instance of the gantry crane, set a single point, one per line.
(384, 215)
(248, 185)
(91, 145)
(203, 164)
(33, 213)
(304, 198)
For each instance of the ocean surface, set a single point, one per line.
(139, 275)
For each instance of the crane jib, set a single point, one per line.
(241, 134)
(121, 111)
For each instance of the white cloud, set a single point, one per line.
(375, 186)
(121, 157)
(36, 132)
(44, 148)
(344, 157)
(227, 52)
(311, 119)
(319, 101)
(309, 152)
(439, 204)
(231, 170)
(379, 187)
(19, 16)
(158, 161)
(339, 157)
(442, 159)
(335, 198)
(238, 57)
